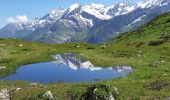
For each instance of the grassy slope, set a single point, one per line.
(13, 55)
(150, 80)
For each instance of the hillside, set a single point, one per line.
(146, 50)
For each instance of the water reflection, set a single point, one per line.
(71, 61)
(67, 68)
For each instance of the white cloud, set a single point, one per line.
(17, 19)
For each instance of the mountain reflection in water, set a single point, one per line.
(67, 68)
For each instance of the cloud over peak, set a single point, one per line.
(17, 19)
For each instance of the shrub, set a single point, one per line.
(156, 42)
(168, 21)
(6, 60)
(74, 95)
(140, 44)
(90, 47)
(165, 37)
(157, 85)
(26, 49)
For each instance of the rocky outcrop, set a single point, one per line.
(101, 92)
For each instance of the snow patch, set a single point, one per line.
(73, 7)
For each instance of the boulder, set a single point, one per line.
(4, 94)
(17, 89)
(2, 67)
(48, 95)
(111, 97)
(101, 92)
(33, 84)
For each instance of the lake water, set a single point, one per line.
(67, 68)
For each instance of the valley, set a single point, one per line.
(146, 50)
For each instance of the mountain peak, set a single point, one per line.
(123, 4)
(153, 3)
(74, 6)
(97, 5)
(119, 9)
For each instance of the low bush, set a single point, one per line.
(156, 42)
(165, 37)
(168, 21)
(157, 85)
(90, 47)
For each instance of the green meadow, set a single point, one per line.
(147, 50)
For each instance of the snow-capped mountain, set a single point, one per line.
(119, 9)
(93, 23)
(69, 59)
(133, 17)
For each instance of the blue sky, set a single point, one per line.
(38, 8)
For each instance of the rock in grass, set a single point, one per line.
(165, 74)
(111, 97)
(20, 45)
(3, 44)
(48, 95)
(17, 89)
(159, 62)
(2, 67)
(77, 46)
(4, 94)
(168, 98)
(33, 84)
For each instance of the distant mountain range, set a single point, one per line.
(93, 23)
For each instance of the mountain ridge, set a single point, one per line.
(64, 25)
